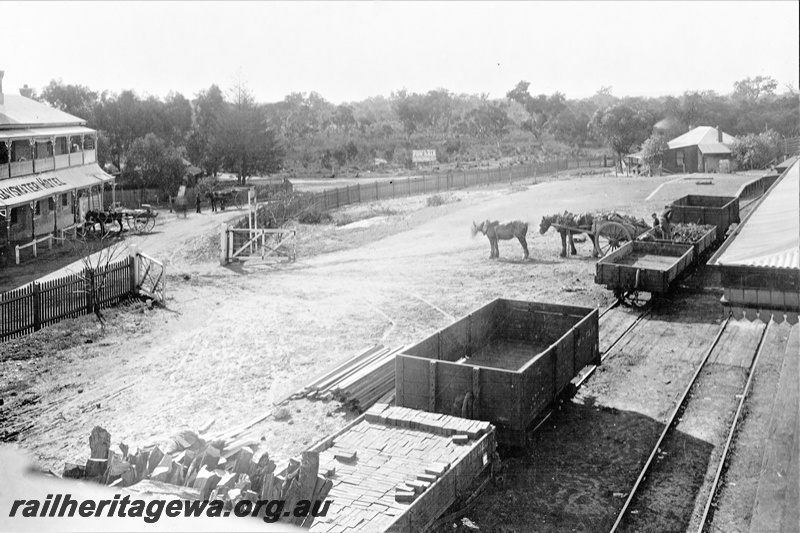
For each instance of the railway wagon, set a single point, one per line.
(719, 211)
(505, 362)
(642, 266)
(700, 244)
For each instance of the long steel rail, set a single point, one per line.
(667, 428)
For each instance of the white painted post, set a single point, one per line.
(223, 244)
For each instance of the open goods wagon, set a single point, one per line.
(719, 211)
(506, 363)
(705, 237)
(642, 266)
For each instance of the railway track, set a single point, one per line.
(657, 500)
(644, 312)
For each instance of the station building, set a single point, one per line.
(759, 263)
(49, 176)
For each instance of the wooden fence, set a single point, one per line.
(29, 308)
(433, 183)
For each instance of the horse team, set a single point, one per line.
(496, 232)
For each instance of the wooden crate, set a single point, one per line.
(514, 357)
(719, 211)
(669, 260)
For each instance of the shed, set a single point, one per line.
(759, 264)
(699, 150)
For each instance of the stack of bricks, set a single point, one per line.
(391, 459)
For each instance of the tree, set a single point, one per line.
(201, 145)
(653, 150)
(245, 144)
(76, 100)
(150, 162)
(755, 151)
(621, 127)
(751, 89)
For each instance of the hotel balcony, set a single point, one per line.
(23, 168)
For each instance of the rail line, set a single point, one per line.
(707, 514)
(673, 422)
(603, 356)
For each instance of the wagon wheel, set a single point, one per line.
(151, 223)
(237, 200)
(610, 236)
(140, 223)
(129, 220)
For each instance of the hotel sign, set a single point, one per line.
(39, 184)
(423, 156)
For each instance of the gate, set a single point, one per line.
(256, 244)
(150, 277)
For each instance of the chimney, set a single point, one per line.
(26, 91)
(719, 135)
(2, 101)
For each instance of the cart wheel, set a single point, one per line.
(151, 223)
(237, 200)
(610, 236)
(140, 223)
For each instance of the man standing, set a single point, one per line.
(197, 202)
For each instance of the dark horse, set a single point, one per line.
(495, 232)
(584, 220)
(215, 198)
(103, 218)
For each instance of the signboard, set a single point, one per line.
(39, 184)
(423, 156)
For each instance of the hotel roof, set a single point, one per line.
(17, 112)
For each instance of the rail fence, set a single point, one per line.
(36, 305)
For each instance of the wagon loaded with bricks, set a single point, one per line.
(506, 363)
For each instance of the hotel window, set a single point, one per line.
(37, 209)
(14, 216)
(64, 200)
(51, 205)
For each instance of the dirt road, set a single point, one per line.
(234, 339)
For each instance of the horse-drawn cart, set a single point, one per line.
(606, 231)
(140, 220)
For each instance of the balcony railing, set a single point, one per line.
(22, 168)
(62, 161)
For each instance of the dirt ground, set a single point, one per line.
(232, 340)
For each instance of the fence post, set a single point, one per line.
(37, 307)
(347, 189)
(408, 183)
(89, 282)
(358, 188)
(133, 251)
(376, 191)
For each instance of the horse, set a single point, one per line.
(584, 220)
(103, 218)
(495, 232)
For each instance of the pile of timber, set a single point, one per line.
(190, 467)
(358, 382)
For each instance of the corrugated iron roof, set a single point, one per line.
(20, 112)
(27, 133)
(700, 135)
(713, 148)
(770, 237)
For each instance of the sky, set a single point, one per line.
(349, 51)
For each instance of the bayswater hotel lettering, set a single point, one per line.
(6, 193)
